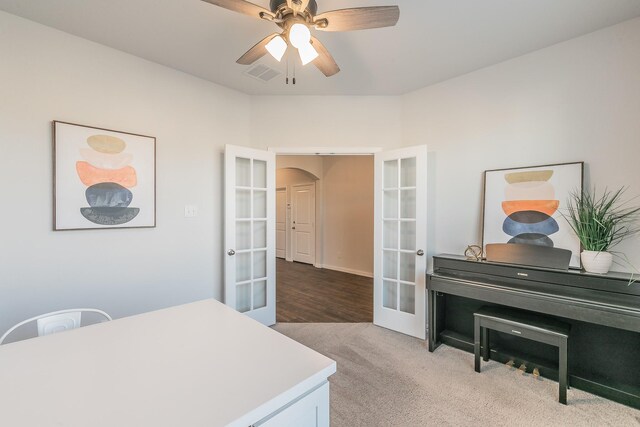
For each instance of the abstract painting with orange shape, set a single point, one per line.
(525, 206)
(103, 178)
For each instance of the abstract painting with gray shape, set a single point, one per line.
(524, 205)
(107, 173)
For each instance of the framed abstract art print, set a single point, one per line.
(102, 178)
(525, 205)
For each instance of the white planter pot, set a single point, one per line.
(596, 262)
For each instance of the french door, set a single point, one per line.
(249, 232)
(400, 238)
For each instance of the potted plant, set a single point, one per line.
(600, 222)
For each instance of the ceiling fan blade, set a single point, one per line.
(256, 52)
(359, 18)
(241, 6)
(324, 61)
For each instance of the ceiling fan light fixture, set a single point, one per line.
(295, 17)
(307, 53)
(299, 35)
(277, 47)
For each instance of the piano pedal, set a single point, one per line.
(536, 374)
(511, 364)
(523, 369)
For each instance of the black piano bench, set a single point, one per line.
(525, 325)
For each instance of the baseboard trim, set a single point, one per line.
(346, 270)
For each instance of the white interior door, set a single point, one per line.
(400, 260)
(281, 222)
(303, 220)
(249, 267)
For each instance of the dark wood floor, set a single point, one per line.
(308, 294)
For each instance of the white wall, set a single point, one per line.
(348, 214)
(48, 75)
(311, 164)
(578, 100)
(293, 176)
(326, 121)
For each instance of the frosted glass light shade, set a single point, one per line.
(277, 47)
(299, 35)
(307, 53)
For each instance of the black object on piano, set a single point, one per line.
(532, 255)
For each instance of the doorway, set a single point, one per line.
(325, 266)
(400, 184)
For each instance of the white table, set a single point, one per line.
(199, 364)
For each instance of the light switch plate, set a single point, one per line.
(190, 211)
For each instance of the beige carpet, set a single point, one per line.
(389, 379)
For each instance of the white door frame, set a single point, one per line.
(286, 221)
(324, 151)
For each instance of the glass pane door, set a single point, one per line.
(250, 232)
(400, 241)
(399, 225)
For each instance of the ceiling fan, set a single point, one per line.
(295, 17)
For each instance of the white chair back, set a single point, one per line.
(56, 321)
(59, 322)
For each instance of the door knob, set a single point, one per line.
(420, 252)
(231, 252)
(293, 228)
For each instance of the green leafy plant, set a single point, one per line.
(601, 222)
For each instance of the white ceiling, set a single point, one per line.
(433, 41)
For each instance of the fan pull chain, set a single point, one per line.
(294, 72)
(287, 78)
